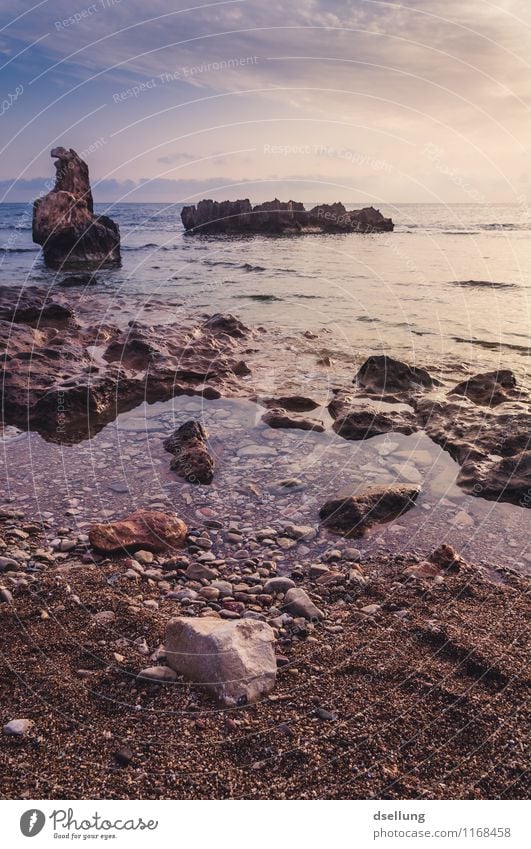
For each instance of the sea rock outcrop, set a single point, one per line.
(352, 516)
(144, 530)
(191, 457)
(383, 375)
(234, 661)
(492, 446)
(277, 217)
(489, 389)
(64, 222)
(53, 383)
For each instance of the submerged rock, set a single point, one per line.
(147, 530)
(295, 403)
(275, 217)
(64, 222)
(191, 457)
(278, 418)
(233, 660)
(353, 515)
(355, 422)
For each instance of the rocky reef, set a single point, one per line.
(53, 383)
(277, 217)
(64, 222)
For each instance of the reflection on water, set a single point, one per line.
(450, 282)
(263, 477)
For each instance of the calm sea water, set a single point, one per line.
(451, 283)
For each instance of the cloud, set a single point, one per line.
(385, 77)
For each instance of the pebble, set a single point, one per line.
(18, 727)
(326, 715)
(144, 557)
(157, 674)
(123, 756)
(278, 585)
(299, 603)
(371, 609)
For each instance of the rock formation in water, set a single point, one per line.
(277, 217)
(352, 516)
(64, 222)
(51, 382)
(191, 457)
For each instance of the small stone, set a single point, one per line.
(325, 715)
(144, 557)
(18, 727)
(298, 603)
(104, 617)
(157, 674)
(278, 585)
(371, 609)
(124, 756)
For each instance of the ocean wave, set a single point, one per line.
(483, 284)
(147, 246)
(261, 297)
(494, 346)
(248, 267)
(19, 250)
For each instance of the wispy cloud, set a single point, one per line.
(386, 78)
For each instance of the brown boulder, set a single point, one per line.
(383, 374)
(295, 403)
(352, 516)
(363, 422)
(149, 531)
(488, 389)
(191, 458)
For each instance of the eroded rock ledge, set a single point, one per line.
(67, 380)
(277, 217)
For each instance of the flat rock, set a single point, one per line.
(353, 515)
(278, 418)
(157, 674)
(147, 530)
(234, 660)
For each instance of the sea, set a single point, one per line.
(449, 289)
(452, 283)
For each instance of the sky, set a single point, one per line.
(316, 100)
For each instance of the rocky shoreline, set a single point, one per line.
(355, 670)
(405, 659)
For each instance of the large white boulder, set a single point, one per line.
(234, 660)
